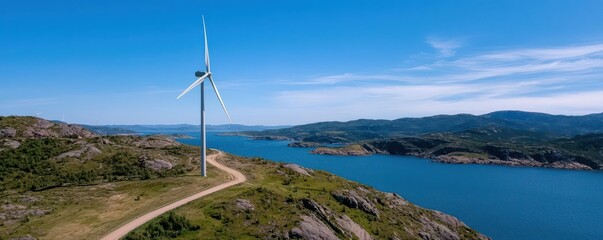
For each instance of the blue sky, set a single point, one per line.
(294, 62)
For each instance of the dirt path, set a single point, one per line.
(236, 177)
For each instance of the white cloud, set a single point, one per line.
(349, 77)
(386, 102)
(561, 80)
(445, 47)
(547, 53)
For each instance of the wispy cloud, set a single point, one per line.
(447, 48)
(565, 52)
(564, 80)
(512, 65)
(350, 77)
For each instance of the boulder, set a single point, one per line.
(158, 165)
(299, 169)
(393, 200)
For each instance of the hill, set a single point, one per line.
(363, 129)
(62, 181)
(287, 201)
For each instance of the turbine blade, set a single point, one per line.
(207, 68)
(196, 83)
(220, 98)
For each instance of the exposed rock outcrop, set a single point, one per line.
(44, 128)
(312, 228)
(12, 213)
(8, 144)
(156, 164)
(348, 224)
(155, 142)
(394, 200)
(8, 132)
(73, 131)
(352, 199)
(299, 169)
(87, 151)
(341, 224)
(244, 205)
(434, 230)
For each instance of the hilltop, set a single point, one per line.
(63, 181)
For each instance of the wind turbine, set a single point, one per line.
(200, 81)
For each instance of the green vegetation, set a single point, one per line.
(34, 165)
(167, 226)
(275, 199)
(61, 181)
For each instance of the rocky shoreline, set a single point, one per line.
(511, 162)
(452, 154)
(359, 150)
(304, 144)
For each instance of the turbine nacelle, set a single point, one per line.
(200, 74)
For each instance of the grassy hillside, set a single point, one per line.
(61, 181)
(64, 182)
(37, 155)
(282, 201)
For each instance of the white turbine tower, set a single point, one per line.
(200, 81)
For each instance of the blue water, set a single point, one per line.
(501, 202)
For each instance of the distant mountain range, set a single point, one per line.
(365, 129)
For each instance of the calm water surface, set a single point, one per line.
(501, 202)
